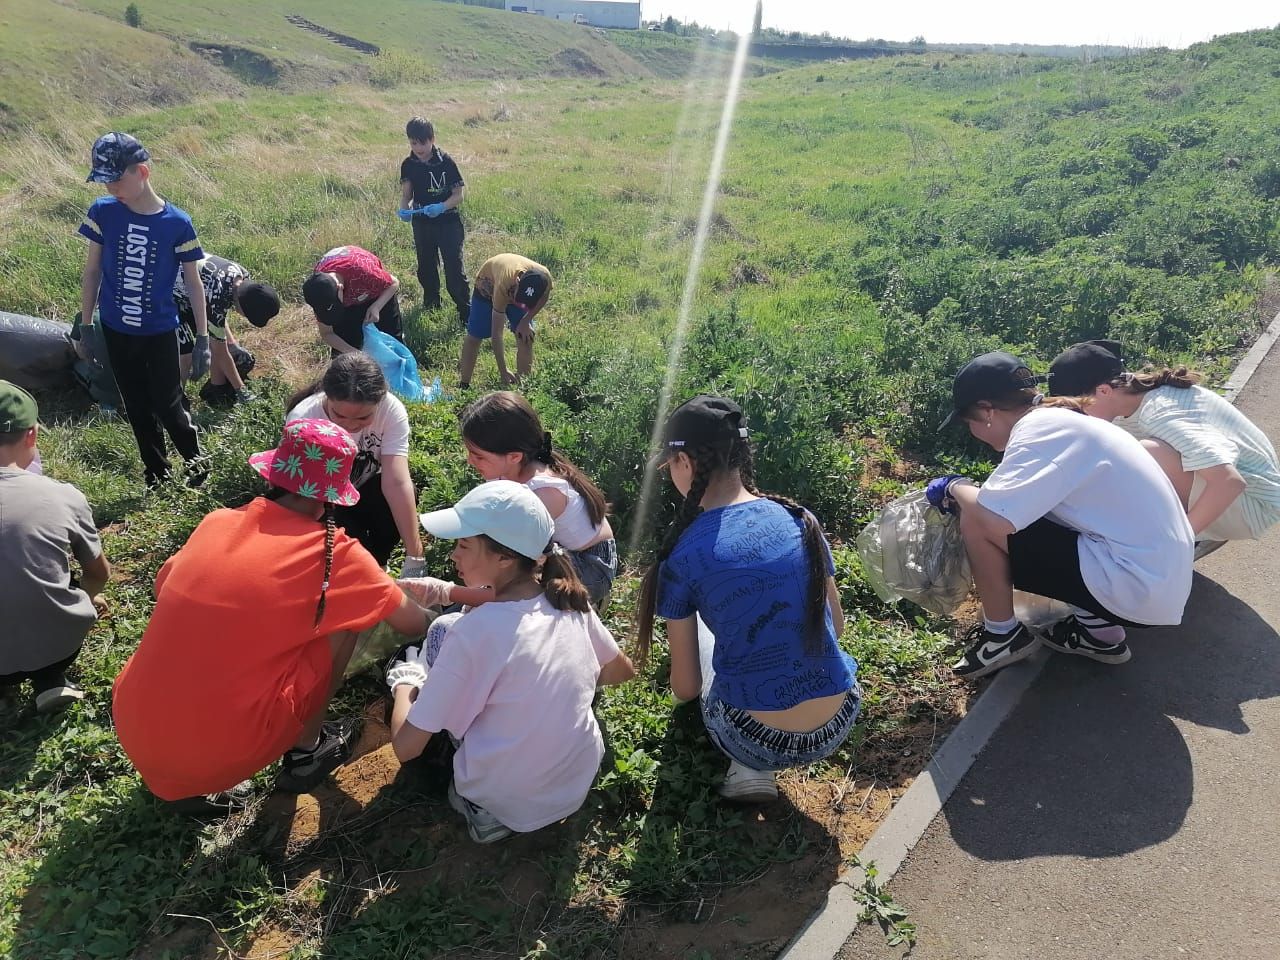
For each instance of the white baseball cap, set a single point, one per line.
(503, 510)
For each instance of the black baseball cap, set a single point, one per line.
(533, 284)
(988, 377)
(320, 292)
(258, 302)
(704, 420)
(1081, 367)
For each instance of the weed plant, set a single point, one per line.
(873, 231)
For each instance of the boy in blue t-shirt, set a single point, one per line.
(136, 242)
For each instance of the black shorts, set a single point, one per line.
(1044, 558)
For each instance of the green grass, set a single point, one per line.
(878, 223)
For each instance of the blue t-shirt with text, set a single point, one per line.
(141, 254)
(743, 570)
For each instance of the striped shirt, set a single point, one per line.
(1207, 431)
(141, 256)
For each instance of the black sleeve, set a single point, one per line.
(404, 170)
(453, 174)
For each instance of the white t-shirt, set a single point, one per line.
(514, 682)
(1207, 431)
(386, 435)
(1086, 474)
(573, 529)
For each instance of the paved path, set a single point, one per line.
(1125, 813)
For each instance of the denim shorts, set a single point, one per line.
(597, 566)
(753, 744)
(480, 321)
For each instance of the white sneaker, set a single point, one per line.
(58, 698)
(482, 825)
(748, 786)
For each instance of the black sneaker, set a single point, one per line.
(1068, 636)
(212, 806)
(302, 770)
(988, 652)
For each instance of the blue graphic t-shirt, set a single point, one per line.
(140, 258)
(743, 569)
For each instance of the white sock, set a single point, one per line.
(1001, 626)
(1104, 631)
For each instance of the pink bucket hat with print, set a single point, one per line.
(313, 460)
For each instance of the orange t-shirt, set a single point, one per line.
(232, 663)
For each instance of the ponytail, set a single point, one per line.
(330, 532)
(815, 551)
(1149, 378)
(560, 581)
(705, 461)
(310, 390)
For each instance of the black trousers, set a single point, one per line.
(370, 520)
(441, 239)
(46, 678)
(351, 325)
(150, 383)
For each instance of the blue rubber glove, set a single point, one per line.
(936, 493)
(405, 215)
(201, 358)
(433, 210)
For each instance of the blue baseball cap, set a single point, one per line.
(113, 154)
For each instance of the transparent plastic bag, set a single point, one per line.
(1038, 612)
(376, 644)
(913, 552)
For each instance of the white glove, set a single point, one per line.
(414, 568)
(411, 670)
(428, 591)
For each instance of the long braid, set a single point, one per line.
(330, 533)
(706, 460)
(814, 549)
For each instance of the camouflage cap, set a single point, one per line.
(113, 154)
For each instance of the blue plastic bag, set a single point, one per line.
(398, 366)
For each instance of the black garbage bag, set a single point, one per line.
(92, 368)
(35, 353)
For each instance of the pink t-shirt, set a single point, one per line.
(514, 682)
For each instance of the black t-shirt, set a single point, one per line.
(433, 179)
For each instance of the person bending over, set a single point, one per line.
(745, 582)
(1076, 511)
(1223, 467)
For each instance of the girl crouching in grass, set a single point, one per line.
(505, 441)
(1222, 466)
(1076, 511)
(229, 678)
(745, 583)
(513, 679)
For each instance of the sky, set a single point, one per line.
(1134, 23)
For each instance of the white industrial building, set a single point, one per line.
(597, 13)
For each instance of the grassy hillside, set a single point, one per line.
(186, 51)
(878, 223)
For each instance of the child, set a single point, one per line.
(226, 284)
(348, 289)
(510, 290)
(136, 242)
(513, 679)
(746, 584)
(505, 441)
(1222, 466)
(429, 178)
(353, 394)
(1075, 511)
(47, 615)
(224, 682)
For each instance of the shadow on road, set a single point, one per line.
(1091, 763)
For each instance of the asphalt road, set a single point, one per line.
(1131, 812)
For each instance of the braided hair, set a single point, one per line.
(708, 460)
(330, 532)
